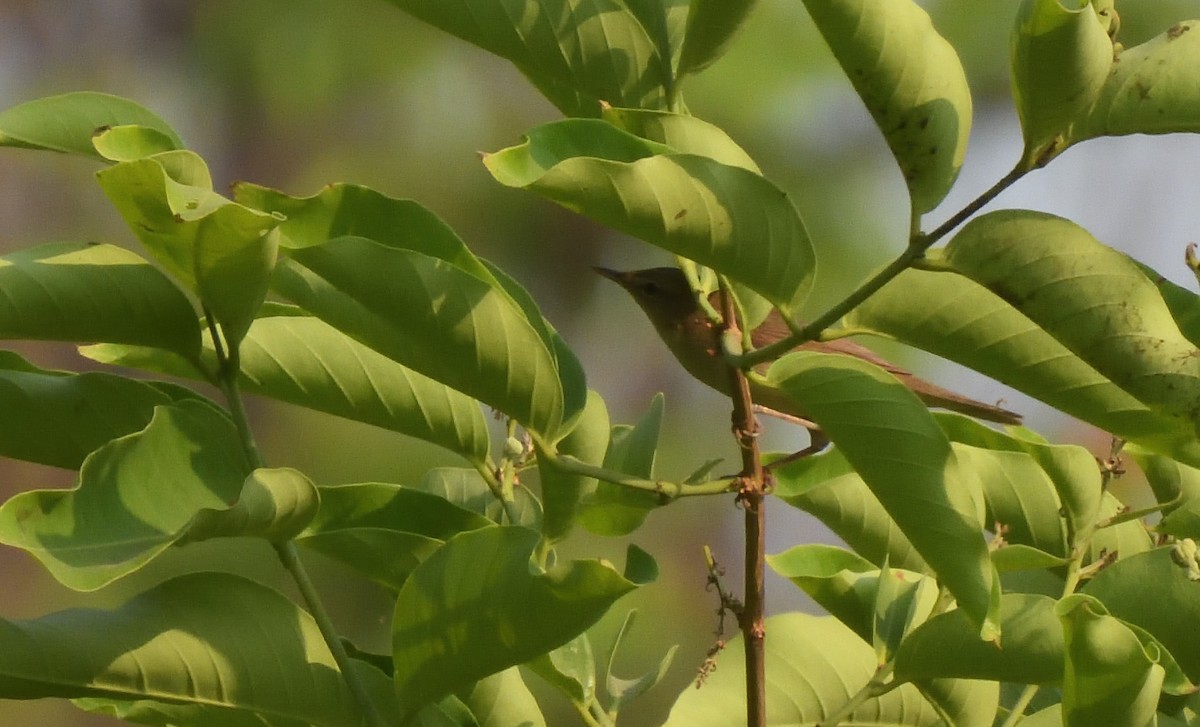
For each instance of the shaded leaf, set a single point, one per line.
(74, 291)
(711, 25)
(503, 699)
(383, 531)
(464, 612)
(137, 495)
(911, 81)
(683, 133)
(571, 669)
(616, 510)
(66, 123)
(467, 489)
(244, 646)
(622, 691)
(561, 491)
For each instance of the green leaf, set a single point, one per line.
(120, 516)
(200, 639)
(826, 663)
(561, 491)
(435, 318)
(960, 320)
(622, 691)
(911, 81)
(1061, 56)
(578, 53)
(948, 645)
(894, 443)
(464, 612)
(384, 531)
(965, 702)
(218, 249)
(1168, 615)
(503, 699)
(66, 123)
(683, 133)
(467, 489)
(73, 291)
(571, 669)
(1149, 90)
(615, 510)
(128, 142)
(711, 25)
(304, 361)
(1168, 479)
(57, 418)
(275, 504)
(1111, 677)
(1094, 300)
(841, 582)
(725, 217)
(903, 600)
(1020, 497)
(827, 487)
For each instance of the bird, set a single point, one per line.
(669, 302)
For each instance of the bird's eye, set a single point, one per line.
(650, 287)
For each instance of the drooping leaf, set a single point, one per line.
(503, 699)
(136, 496)
(384, 530)
(571, 669)
(208, 639)
(304, 361)
(1061, 55)
(965, 702)
(218, 249)
(578, 53)
(1111, 677)
(1149, 91)
(1167, 615)
(911, 81)
(274, 503)
(128, 142)
(622, 691)
(683, 133)
(1094, 300)
(725, 217)
(57, 418)
(711, 25)
(1168, 479)
(434, 317)
(827, 664)
(66, 123)
(893, 442)
(464, 612)
(71, 291)
(964, 322)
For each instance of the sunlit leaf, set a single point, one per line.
(1094, 300)
(66, 123)
(826, 663)
(128, 142)
(893, 442)
(725, 217)
(586, 51)
(911, 81)
(305, 361)
(1061, 55)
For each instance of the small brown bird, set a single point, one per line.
(668, 300)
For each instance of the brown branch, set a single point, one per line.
(750, 495)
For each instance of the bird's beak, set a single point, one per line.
(613, 275)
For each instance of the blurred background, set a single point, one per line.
(296, 94)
